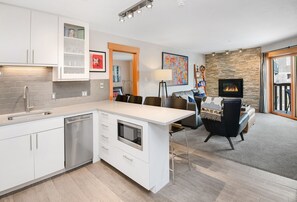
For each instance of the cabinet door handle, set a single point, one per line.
(33, 56)
(36, 141)
(126, 157)
(27, 56)
(106, 126)
(30, 142)
(60, 76)
(104, 136)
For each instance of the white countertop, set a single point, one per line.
(157, 115)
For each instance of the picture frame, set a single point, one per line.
(179, 64)
(97, 61)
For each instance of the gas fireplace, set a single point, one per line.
(231, 88)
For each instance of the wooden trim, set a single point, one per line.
(110, 74)
(270, 86)
(113, 47)
(284, 115)
(283, 52)
(293, 87)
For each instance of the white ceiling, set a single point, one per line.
(201, 25)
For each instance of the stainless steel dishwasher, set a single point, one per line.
(78, 140)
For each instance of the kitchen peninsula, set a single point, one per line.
(132, 138)
(135, 140)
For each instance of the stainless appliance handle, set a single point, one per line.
(79, 120)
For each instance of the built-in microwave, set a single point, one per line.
(130, 134)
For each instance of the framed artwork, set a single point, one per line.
(179, 66)
(116, 77)
(97, 61)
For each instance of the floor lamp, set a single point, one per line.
(163, 75)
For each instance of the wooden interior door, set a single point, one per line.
(135, 66)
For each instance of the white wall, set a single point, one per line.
(150, 59)
(125, 75)
(279, 45)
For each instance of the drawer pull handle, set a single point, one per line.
(104, 148)
(126, 157)
(106, 126)
(104, 136)
(104, 114)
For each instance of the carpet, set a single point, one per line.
(270, 145)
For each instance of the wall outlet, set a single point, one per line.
(54, 96)
(84, 93)
(101, 85)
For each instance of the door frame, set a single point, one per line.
(113, 47)
(281, 53)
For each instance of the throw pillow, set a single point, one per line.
(191, 99)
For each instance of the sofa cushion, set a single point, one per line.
(211, 108)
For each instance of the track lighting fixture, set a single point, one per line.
(227, 52)
(129, 12)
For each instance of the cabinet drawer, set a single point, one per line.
(104, 138)
(105, 117)
(134, 168)
(106, 128)
(107, 153)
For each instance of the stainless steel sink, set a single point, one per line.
(31, 114)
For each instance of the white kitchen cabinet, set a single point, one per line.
(17, 161)
(44, 38)
(28, 37)
(15, 35)
(49, 152)
(148, 165)
(73, 51)
(30, 150)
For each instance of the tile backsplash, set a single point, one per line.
(41, 88)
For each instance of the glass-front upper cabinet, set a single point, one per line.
(73, 51)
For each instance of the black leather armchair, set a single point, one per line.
(193, 121)
(232, 123)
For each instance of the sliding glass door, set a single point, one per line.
(283, 87)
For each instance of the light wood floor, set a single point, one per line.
(211, 178)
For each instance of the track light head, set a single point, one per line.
(136, 8)
(130, 15)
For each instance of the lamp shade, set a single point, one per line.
(163, 75)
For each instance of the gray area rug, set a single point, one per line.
(271, 145)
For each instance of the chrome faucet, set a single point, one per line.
(27, 99)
